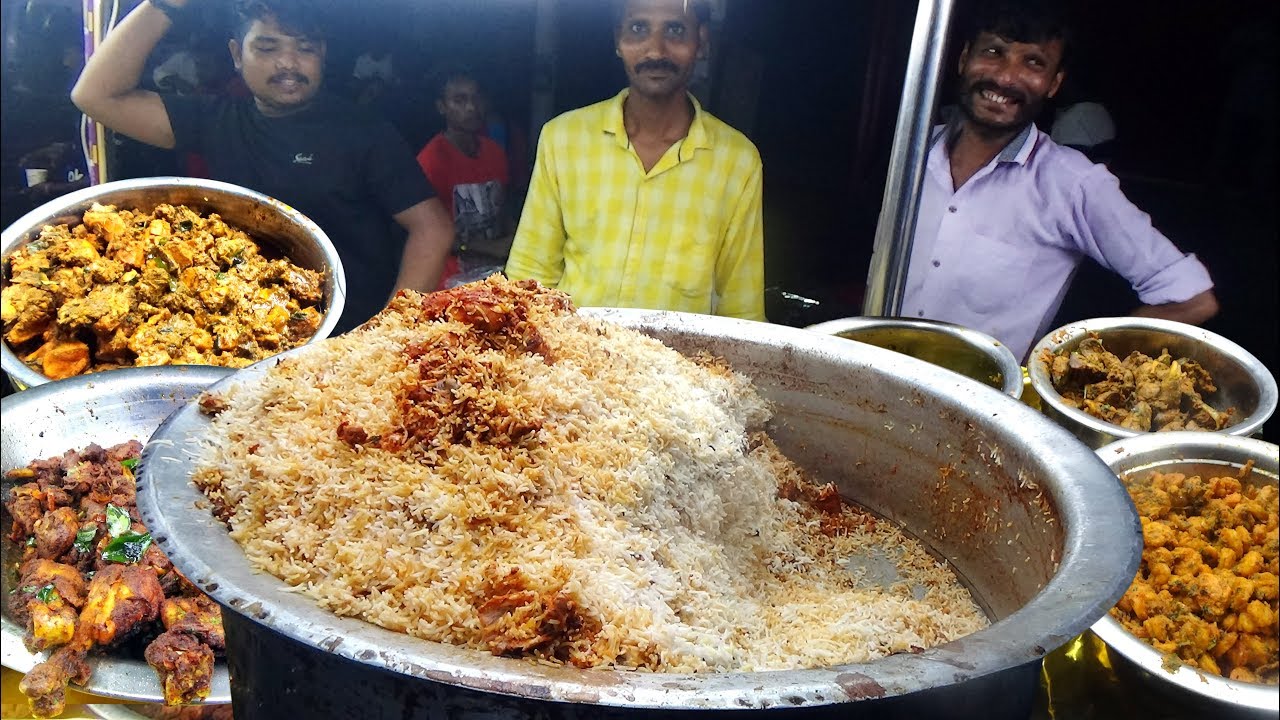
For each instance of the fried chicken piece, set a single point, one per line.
(55, 533)
(185, 666)
(66, 579)
(303, 284)
(27, 311)
(46, 685)
(51, 622)
(47, 602)
(112, 226)
(195, 615)
(170, 338)
(62, 357)
(122, 599)
(26, 505)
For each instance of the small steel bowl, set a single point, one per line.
(106, 408)
(268, 221)
(1206, 454)
(960, 349)
(1244, 383)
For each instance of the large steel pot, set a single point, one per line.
(1035, 523)
(1207, 455)
(105, 408)
(268, 221)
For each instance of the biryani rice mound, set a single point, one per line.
(484, 467)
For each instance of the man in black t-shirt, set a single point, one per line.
(345, 169)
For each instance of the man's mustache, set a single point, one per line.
(284, 76)
(1012, 94)
(657, 66)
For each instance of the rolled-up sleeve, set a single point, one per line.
(1119, 236)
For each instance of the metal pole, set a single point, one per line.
(94, 135)
(887, 275)
(546, 33)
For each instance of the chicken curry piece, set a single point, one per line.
(168, 287)
(1206, 591)
(90, 579)
(1140, 393)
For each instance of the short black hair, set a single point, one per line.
(1028, 21)
(301, 18)
(442, 76)
(701, 11)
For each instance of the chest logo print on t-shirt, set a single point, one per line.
(302, 159)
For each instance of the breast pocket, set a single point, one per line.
(691, 259)
(994, 271)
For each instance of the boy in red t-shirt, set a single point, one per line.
(469, 171)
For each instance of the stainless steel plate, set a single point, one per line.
(104, 408)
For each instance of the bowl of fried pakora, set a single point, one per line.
(1200, 619)
(163, 271)
(1111, 378)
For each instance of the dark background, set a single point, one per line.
(816, 85)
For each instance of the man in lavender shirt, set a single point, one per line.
(1007, 215)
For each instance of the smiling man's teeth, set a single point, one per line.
(993, 97)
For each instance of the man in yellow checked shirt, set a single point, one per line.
(646, 200)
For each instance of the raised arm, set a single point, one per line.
(108, 91)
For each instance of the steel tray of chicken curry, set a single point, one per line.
(165, 271)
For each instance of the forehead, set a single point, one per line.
(660, 11)
(1050, 49)
(269, 28)
(461, 86)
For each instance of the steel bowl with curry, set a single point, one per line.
(163, 272)
(167, 286)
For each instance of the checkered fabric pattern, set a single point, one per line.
(685, 236)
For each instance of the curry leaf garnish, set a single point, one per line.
(129, 463)
(47, 594)
(84, 538)
(127, 548)
(118, 522)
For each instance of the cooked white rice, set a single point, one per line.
(632, 515)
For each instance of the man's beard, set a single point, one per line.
(1027, 107)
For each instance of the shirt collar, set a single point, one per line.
(1018, 150)
(698, 137)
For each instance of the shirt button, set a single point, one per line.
(937, 264)
(951, 209)
(920, 313)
